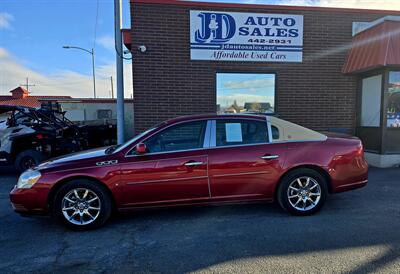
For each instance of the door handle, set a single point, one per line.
(193, 163)
(270, 157)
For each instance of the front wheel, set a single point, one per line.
(28, 159)
(82, 205)
(302, 192)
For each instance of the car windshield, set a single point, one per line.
(118, 148)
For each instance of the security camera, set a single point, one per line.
(142, 49)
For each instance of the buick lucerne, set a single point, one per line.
(203, 159)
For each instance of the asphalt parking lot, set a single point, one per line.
(356, 232)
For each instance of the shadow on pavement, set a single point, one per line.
(356, 232)
(8, 170)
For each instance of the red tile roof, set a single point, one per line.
(373, 48)
(19, 93)
(25, 102)
(21, 97)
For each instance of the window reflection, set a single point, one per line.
(245, 92)
(393, 110)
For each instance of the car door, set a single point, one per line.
(243, 164)
(175, 168)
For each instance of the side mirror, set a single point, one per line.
(141, 148)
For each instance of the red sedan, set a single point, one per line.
(194, 160)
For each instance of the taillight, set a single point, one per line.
(360, 150)
(41, 136)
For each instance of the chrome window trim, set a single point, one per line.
(213, 141)
(178, 123)
(165, 152)
(207, 134)
(244, 145)
(195, 149)
(172, 158)
(269, 128)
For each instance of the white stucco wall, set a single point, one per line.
(85, 112)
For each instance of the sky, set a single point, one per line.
(245, 88)
(32, 33)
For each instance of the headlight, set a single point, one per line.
(28, 179)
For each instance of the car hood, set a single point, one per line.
(83, 155)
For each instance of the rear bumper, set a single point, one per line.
(348, 172)
(351, 186)
(28, 201)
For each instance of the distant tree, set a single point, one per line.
(235, 106)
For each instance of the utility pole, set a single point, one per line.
(120, 72)
(27, 85)
(94, 75)
(112, 88)
(91, 52)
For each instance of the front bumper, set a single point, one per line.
(31, 201)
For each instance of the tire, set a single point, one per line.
(99, 210)
(28, 159)
(305, 200)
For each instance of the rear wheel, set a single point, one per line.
(82, 205)
(302, 191)
(28, 159)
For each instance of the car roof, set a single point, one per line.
(258, 116)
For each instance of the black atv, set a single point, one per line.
(34, 135)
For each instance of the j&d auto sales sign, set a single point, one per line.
(236, 36)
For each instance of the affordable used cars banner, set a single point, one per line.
(236, 36)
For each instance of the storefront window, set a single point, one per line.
(371, 101)
(244, 92)
(393, 110)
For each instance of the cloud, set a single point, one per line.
(63, 82)
(252, 85)
(3, 53)
(358, 4)
(107, 42)
(5, 20)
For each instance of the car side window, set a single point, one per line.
(241, 132)
(178, 137)
(275, 132)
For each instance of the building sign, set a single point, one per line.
(236, 36)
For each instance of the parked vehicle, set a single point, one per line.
(34, 135)
(206, 159)
(3, 124)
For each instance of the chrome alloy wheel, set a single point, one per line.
(81, 206)
(304, 193)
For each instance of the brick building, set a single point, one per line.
(307, 64)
